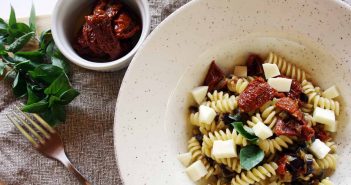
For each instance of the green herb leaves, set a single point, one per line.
(238, 126)
(20, 42)
(40, 75)
(250, 156)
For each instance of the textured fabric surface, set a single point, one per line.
(87, 134)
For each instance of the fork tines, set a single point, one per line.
(30, 126)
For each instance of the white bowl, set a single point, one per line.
(151, 121)
(68, 17)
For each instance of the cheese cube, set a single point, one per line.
(196, 171)
(224, 149)
(262, 131)
(280, 84)
(185, 158)
(324, 116)
(332, 127)
(199, 93)
(319, 149)
(270, 70)
(240, 71)
(206, 114)
(331, 92)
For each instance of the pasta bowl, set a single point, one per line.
(151, 121)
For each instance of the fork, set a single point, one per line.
(46, 140)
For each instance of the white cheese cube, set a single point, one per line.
(185, 158)
(224, 149)
(206, 114)
(319, 149)
(324, 116)
(199, 93)
(332, 127)
(262, 131)
(331, 92)
(196, 171)
(280, 84)
(240, 71)
(270, 70)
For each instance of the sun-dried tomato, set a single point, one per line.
(282, 165)
(214, 78)
(257, 93)
(289, 128)
(254, 65)
(321, 134)
(291, 106)
(307, 132)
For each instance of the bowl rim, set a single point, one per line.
(143, 7)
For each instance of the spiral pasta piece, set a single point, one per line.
(332, 146)
(232, 163)
(237, 85)
(326, 181)
(309, 119)
(226, 105)
(206, 129)
(254, 120)
(315, 99)
(328, 162)
(270, 146)
(307, 108)
(194, 147)
(255, 175)
(215, 96)
(286, 68)
(269, 112)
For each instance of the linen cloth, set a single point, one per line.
(87, 133)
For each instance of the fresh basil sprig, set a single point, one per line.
(250, 156)
(40, 75)
(239, 127)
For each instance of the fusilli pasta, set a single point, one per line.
(270, 146)
(226, 105)
(286, 68)
(237, 85)
(255, 175)
(328, 162)
(326, 181)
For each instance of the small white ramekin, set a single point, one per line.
(68, 17)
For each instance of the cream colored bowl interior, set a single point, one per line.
(151, 125)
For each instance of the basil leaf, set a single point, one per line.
(49, 117)
(250, 156)
(3, 27)
(2, 68)
(46, 73)
(32, 97)
(14, 60)
(61, 63)
(19, 86)
(12, 19)
(59, 113)
(58, 86)
(35, 56)
(68, 96)
(53, 100)
(37, 107)
(26, 66)
(45, 39)
(238, 126)
(19, 29)
(20, 42)
(32, 22)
